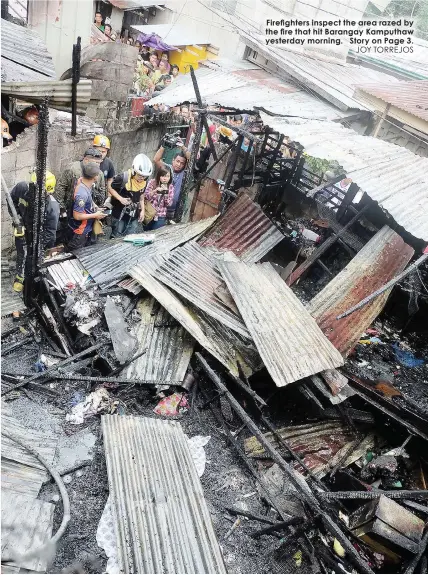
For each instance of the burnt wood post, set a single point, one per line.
(189, 174)
(75, 80)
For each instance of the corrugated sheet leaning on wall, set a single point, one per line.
(382, 258)
(169, 346)
(226, 346)
(244, 230)
(288, 339)
(110, 261)
(392, 176)
(169, 530)
(191, 272)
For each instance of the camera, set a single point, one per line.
(171, 140)
(129, 211)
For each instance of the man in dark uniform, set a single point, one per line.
(22, 196)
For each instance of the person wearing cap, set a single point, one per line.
(69, 177)
(22, 195)
(102, 143)
(7, 138)
(84, 212)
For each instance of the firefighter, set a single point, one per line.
(128, 196)
(102, 143)
(21, 196)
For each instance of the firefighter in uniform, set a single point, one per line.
(22, 197)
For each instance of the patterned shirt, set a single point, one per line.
(160, 202)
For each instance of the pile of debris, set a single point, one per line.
(184, 322)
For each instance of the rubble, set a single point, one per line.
(263, 420)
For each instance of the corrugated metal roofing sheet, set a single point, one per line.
(288, 339)
(62, 273)
(109, 261)
(382, 258)
(162, 522)
(334, 81)
(245, 91)
(24, 47)
(59, 92)
(190, 270)
(169, 346)
(26, 526)
(392, 176)
(20, 470)
(226, 346)
(243, 229)
(412, 97)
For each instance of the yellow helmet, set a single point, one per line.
(101, 141)
(50, 181)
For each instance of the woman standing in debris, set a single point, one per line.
(160, 194)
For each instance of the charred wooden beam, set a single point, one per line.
(295, 478)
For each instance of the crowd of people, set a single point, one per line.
(144, 197)
(153, 72)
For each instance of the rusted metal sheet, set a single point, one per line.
(190, 270)
(382, 258)
(168, 345)
(109, 261)
(244, 230)
(161, 519)
(412, 97)
(130, 285)
(288, 339)
(230, 348)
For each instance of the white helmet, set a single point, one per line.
(142, 165)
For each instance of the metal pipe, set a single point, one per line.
(15, 217)
(384, 288)
(119, 380)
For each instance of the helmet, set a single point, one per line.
(5, 130)
(31, 115)
(142, 165)
(101, 141)
(50, 181)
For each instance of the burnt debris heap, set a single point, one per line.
(273, 327)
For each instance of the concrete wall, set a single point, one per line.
(116, 19)
(17, 162)
(59, 23)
